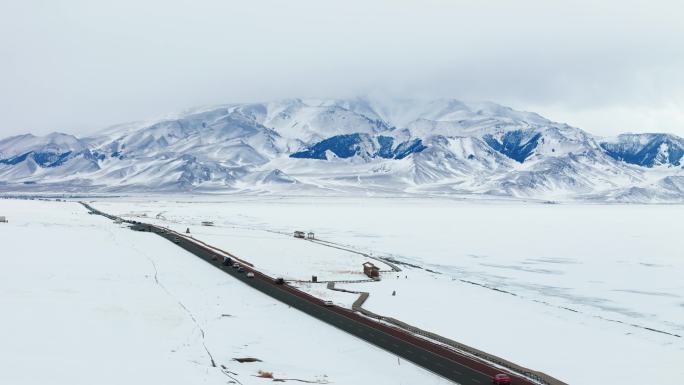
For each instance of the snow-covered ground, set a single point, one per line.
(590, 294)
(86, 301)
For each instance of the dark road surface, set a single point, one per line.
(431, 356)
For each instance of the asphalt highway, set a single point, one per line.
(436, 358)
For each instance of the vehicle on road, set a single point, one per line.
(250, 275)
(241, 270)
(501, 379)
(445, 362)
(176, 240)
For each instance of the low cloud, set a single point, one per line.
(77, 66)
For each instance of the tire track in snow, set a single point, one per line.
(180, 303)
(185, 308)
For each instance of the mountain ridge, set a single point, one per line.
(424, 147)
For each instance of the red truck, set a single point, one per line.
(501, 379)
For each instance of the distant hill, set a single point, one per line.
(406, 147)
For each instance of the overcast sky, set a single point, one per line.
(77, 66)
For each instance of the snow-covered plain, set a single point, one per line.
(86, 301)
(591, 294)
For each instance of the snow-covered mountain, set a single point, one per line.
(436, 147)
(646, 149)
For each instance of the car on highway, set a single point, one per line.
(501, 379)
(241, 270)
(328, 303)
(279, 281)
(176, 240)
(236, 265)
(250, 275)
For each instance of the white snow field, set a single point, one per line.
(86, 301)
(591, 294)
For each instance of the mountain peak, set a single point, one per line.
(417, 146)
(648, 150)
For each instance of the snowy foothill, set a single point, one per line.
(85, 300)
(588, 293)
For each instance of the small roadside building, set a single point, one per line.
(371, 270)
(299, 234)
(3, 219)
(207, 223)
(310, 235)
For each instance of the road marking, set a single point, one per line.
(198, 250)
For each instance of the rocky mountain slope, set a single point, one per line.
(359, 146)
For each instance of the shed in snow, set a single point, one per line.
(299, 234)
(371, 270)
(310, 235)
(207, 223)
(3, 219)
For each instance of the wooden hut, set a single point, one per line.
(371, 270)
